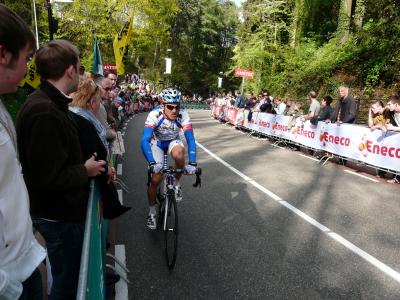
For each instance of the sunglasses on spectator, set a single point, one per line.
(172, 107)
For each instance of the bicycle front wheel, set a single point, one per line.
(171, 229)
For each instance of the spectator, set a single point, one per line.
(314, 109)
(249, 100)
(20, 253)
(394, 113)
(53, 166)
(289, 109)
(346, 108)
(239, 102)
(325, 112)
(265, 97)
(92, 138)
(280, 106)
(394, 123)
(297, 113)
(113, 79)
(376, 118)
(103, 115)
(266, 107)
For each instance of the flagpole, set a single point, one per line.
(36, 25)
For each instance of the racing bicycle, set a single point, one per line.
(167, 218)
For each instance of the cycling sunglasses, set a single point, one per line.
(172, 107)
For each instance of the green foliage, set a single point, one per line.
(14, 101)
(315, 57)
(203, 37)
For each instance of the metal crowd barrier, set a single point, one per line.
(195, 106)
(325, 157)
(92, 273)
(92, 270)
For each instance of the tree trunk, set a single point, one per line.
(359, 13)
(297, 25)
(344, 21)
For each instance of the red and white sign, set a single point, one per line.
(110, 67)
(244, 73)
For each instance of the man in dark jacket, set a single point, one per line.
(346, 108)
(55, 172)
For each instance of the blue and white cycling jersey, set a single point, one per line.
(166, 131)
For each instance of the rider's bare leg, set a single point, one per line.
(178, 155)
(152, 189)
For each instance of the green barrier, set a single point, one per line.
(92, 270)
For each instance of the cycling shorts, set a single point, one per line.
(157, 148)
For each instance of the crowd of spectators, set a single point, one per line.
(380, 116)
(63, 138)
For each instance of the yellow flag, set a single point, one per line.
(32, 77)
(121, 46)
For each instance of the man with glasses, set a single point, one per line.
(105, 117)
(161, 132)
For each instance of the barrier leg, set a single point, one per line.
(328, 156)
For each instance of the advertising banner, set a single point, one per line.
(377, 148)
(231, 115)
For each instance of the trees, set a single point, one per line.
(203, 36)
(292, 45)
(297, 45)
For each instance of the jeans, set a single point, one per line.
(32, 287)
(64, 246)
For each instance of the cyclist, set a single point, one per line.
(161, 132)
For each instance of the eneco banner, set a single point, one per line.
(377, 148)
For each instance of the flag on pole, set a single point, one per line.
(31, 77)
(97, 68)
(121, 46)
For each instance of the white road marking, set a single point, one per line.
(362, 176)
(119, 169)
(364, 255)
(121, 287)
(309, 157)
(120, 196)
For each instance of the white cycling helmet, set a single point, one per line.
(171, 95)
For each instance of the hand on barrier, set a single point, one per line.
(191, 168)
(155, 167)
(93, 167)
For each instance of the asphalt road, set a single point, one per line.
(238, 242)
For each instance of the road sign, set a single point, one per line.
(109, 67)
(244, 73)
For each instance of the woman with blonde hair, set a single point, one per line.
(92, 137)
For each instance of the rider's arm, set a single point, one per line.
(147, 135)
(145, 144)
(191, 145)
(188, 131)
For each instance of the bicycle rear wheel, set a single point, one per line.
(170, 227)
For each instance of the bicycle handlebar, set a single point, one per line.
(177, 171)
